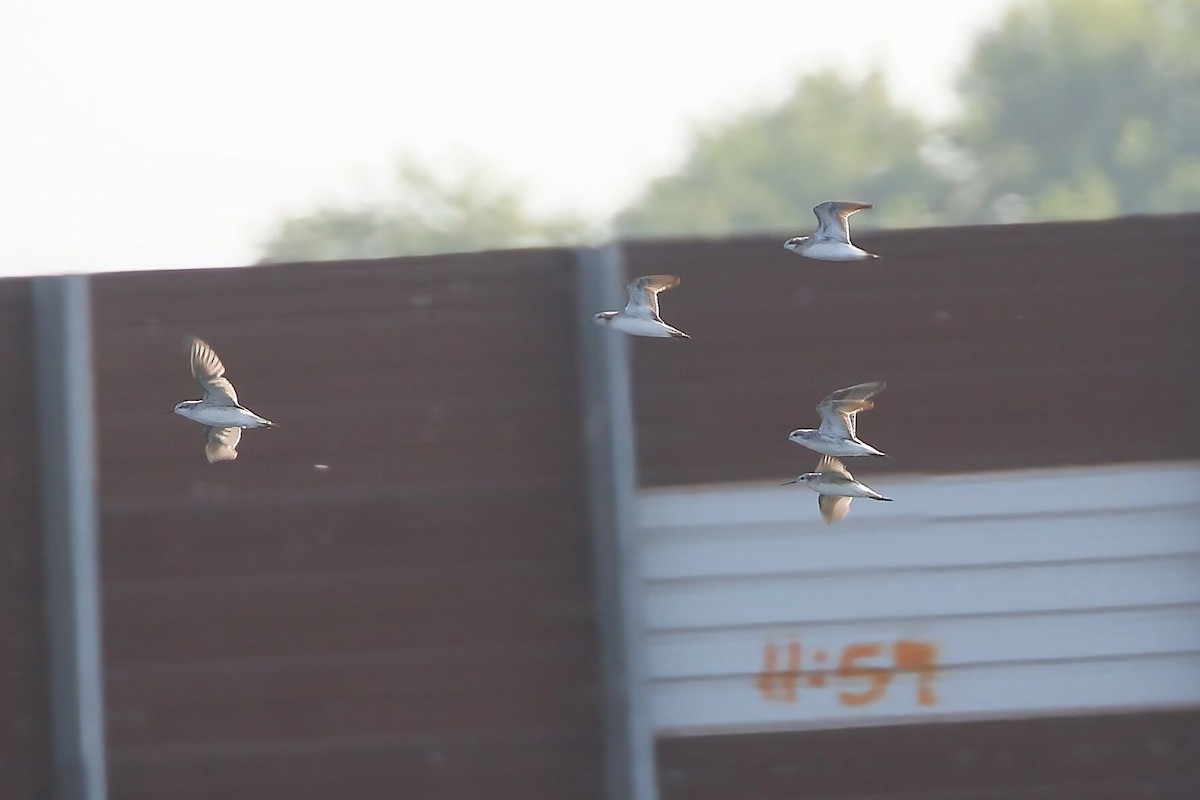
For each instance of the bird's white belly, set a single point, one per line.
(833, 447)
(641, 327)
(833, 251)
(225, 417)
(841, 490)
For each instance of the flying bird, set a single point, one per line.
(839, 410)
(831, 242)
(836, 487)
(219, 412)
(640, 316)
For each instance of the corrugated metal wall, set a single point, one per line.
(24, 704)
(414, 620)
(1153, 756)
(1040, 582)
(1006, 346)
(985, 595)
(418, 618)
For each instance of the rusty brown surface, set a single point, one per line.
(24, 700)
(414, 620)
(1003, 347)
(1147, 756)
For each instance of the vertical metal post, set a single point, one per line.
(612, 492)
(67, 440)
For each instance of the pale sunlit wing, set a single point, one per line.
(831, 467)
(220, 444)
(839, 409)
(833, 219)
(643, 294)
(833, 509)
(209, 373)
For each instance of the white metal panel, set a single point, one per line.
(1119, 487)
(915, 593)
(1057, 687)
(996, 594)
(1001, 638)
(917, 543)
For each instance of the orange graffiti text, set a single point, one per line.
(863, 674)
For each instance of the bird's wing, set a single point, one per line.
(828, 465)
(220, 444)
(209, 373)
(833, 509)
(643, 294)
(838, 410)
(833, 219)
(836, 423)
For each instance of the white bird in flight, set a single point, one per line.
(640, 316)
(836, 487)
(837, 435)
(219, 412)
(831, 242)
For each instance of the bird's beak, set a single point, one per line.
(789, 483)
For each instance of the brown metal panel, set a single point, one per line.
(517, 765)
(1014, 346)
(1144, 755)
(255, 615)
(430, 372)
(24, 699)
(437, 693)
(416, 614)
(348, 531)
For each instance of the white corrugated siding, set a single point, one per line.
(999, 594)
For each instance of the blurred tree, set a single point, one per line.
(425, 216)
(1084, 108)
(833, 139)
(1071, 109)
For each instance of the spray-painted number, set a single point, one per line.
(863, 672)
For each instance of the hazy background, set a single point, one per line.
(145, 136)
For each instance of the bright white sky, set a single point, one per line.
(146, 134)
